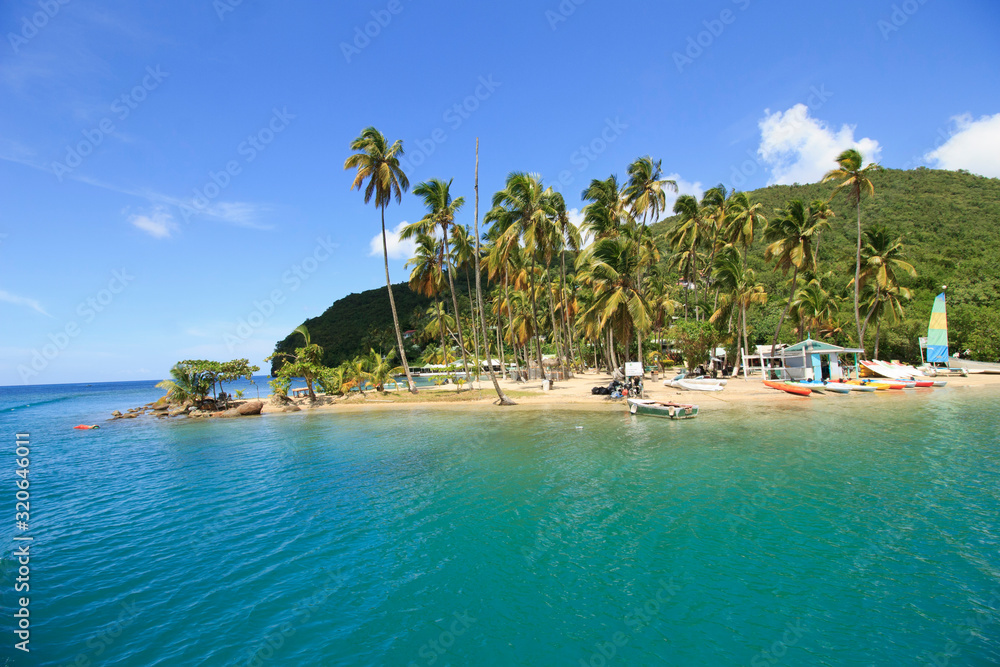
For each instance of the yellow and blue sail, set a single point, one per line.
(937, 333)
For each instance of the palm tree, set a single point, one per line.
(183, 385)
(501, 397)
(740, 290)
(380, 369)
(882, 256)
(378, 163)
(745, 221)
(855, 180)
(427, 278)
(608, 210)
(611, 266)
(524, 207)
(791, 235)
(441, 210)
(890, 299)
(646, 190)
(685, 238)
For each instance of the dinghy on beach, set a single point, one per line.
(642, 406)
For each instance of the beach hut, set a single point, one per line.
(816, 360)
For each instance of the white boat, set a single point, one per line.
(695, 384)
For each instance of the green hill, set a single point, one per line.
(950, 224)
(356, 323)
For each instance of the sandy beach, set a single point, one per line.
(575, 394)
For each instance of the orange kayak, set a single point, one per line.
(783, 386)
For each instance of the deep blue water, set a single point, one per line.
(841, 531)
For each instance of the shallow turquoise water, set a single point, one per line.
(838, 531)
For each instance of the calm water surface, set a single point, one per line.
(839, 531)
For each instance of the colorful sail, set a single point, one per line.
(937, 333)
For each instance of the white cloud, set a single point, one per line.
(397, 248)
(974, 145)
(159, 223)
(684, 187)
(801, 149)
(22, 301)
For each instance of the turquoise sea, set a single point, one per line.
(858, 530)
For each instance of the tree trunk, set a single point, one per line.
(534, 321)
(878, 334)
(454, 303)
(501, 397)
(857, 276)
(475, 330)
(746, 343)
(444, 348)
(694, 270)
(392, 306)
(557, 332)
(791, 297)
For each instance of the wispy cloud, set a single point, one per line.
(7, 297)
(158, 223)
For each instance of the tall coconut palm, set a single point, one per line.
(463, 248)
(855, 179)
(377, 162)
(441, 210)
(526, 204)
(501, 397)
(746, 220)
(740, 290)
(791, 235)
(427, 277)
(882, 256)
(887, 300)
(646, 189)
(608, 210)
(686, 237)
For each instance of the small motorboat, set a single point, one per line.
(643, 406)
(788, 387)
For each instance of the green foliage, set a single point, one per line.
(695, 340)
(949, 223)
(194, 378)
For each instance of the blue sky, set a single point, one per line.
(171, 175)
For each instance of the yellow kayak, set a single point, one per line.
(881, 386)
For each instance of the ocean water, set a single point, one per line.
(853, 530)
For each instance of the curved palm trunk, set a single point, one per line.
(475, 330)
(878, 334)
(444, 349)
(392, 306)
(864, 326)
(454, 302)
(694, 270)
(503, 400)
(791, 297)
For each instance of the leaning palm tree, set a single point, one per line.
(855, 179)
(791, 236)
(427, 278)
(378, 163)
(381, 370)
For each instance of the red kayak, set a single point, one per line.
(798, 391)
(84, 427)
